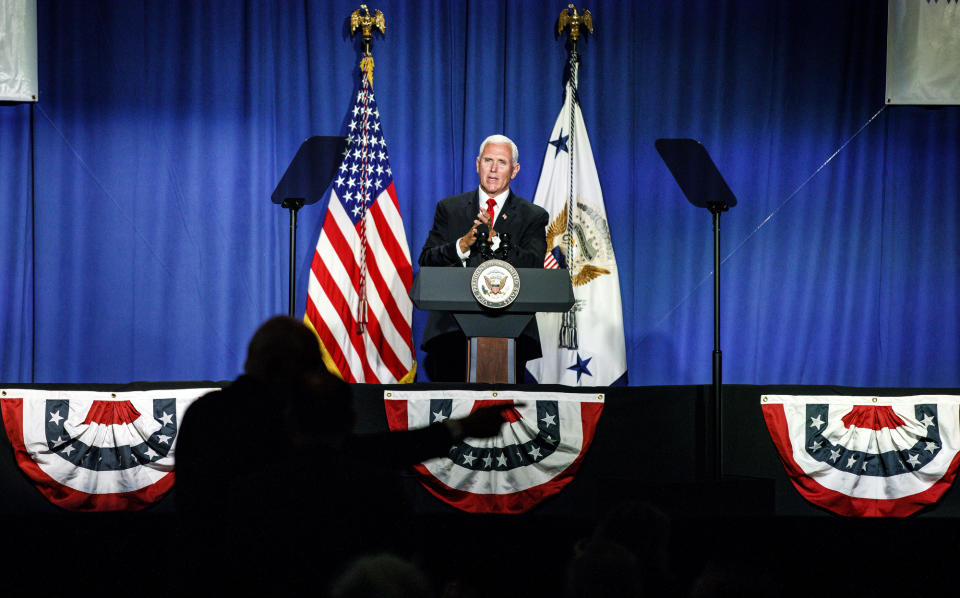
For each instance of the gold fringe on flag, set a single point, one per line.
(366, 65)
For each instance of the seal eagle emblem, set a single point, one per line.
(495, 283)
(590, 240)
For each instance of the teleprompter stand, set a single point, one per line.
(304, 183)
(492, 332)
(702, 183)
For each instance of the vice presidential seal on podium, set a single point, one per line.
(495, 284)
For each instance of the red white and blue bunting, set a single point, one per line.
(535, 456)
(865, 456)
(97, 451)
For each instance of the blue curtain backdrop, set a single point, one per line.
(141, 243)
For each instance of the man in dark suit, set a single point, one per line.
(463, 223)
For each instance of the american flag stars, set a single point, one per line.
(365, 170)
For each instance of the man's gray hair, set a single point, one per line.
(501, 139)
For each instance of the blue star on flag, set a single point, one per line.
(581, 367)
(560, 142)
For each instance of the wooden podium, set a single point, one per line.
(492, 333)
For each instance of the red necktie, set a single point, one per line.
(490, 203)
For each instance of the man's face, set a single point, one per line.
(496, 168)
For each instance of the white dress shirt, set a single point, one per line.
(500, 199)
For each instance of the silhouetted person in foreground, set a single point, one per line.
(275, 492)
(382, 576)
(625, 557)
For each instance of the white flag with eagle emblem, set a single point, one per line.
(584, 347)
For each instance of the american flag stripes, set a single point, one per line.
(357, 298)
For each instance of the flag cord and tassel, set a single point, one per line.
(366, 66)
(366, 22)
(568, 325)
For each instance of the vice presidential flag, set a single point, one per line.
(585, 346)
(357, 298)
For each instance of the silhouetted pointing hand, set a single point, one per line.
(485, 422)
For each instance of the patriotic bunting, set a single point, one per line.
(867, 456)
(97, 451)
(535, 456)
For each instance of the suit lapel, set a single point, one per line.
(507, 215)
(473, 206)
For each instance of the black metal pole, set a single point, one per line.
(715, 209)
(293, 204)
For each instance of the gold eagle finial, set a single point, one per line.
(366, 22)
(571, 20)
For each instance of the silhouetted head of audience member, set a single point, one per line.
(642, 529)
(284, 355)
(627, 555)
(604, 569)
(741, 576)
(383, 576)
(281, 351)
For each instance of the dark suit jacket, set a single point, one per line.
(526, 225)
(524, 222)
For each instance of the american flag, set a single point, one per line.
(357, 298)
